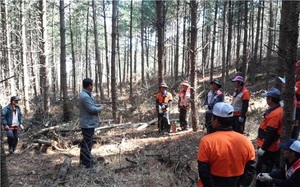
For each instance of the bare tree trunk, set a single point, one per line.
(238, 39)
(64, 85)
(176, 56)
(106, 56)
(87, 42)
(254, 62)
(43, 56)
(290, 29)
(142, 43)
(130, 51)
(113, 59)
(25, 78)
(213, 42)
(261, 32)
(270, 46)
(52, 77)
(223, 44)
(73, 53)
(4, 173)
(229, 37)
(245, 43)
(97, 50)
(193, 59)
(160, 38)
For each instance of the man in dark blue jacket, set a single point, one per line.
(11, 121)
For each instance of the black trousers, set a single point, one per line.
(182, 117)
(13, 141)
(86, 147)
(238, 126)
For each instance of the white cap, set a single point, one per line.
(295, 146)
(222, 109)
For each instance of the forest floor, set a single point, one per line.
(132, 154)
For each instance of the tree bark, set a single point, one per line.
(160, 25)
(63, 73)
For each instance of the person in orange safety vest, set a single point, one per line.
(163, 104)
(290, 175)
(240, 103)
(269, 133)
(296, 127)
(225, 158)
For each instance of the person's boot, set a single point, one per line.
(11, 150)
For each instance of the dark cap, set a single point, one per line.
(273, 92)
(217, 82)
(14, 98)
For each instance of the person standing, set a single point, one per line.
(240, 103)
(214, 96)
(269, 133)
(296, 127)
(89, 120)
(184, 104)
(225, 158)
(163, 104)
(12, 120)
(290, 175)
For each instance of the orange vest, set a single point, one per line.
(297, 93)
(238, 98)
(161, 99)
(274, 119)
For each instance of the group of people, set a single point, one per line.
(164, 101)
(226, 146)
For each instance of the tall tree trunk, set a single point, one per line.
(270, 46)
(130, 51)
(113, 59)
(261, 33)
(184, 49)
(254, 61)
(176, 58)
(63, 72)
(106, 56)
(4, 173)
(142, 43)
(224, 44)
(193, 59)
(229, 37)
(25, 77)
(87, 67)
(289, 28)
(160, 25)
(43, 56)
(73, 53)
(213, 42)
(97, 50)
(52, 77)
(238, 38)
(245, 43)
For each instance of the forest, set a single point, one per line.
(128, 48)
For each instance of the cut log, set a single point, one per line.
(48, 129)
(62, 174)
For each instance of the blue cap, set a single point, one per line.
(273, 92)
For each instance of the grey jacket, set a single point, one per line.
(88, 110)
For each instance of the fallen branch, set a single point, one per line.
(62, 174)
(117, 170)
(48, 129)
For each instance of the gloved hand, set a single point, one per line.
(206, 107)
(241, 120)
(264, 177)
(260, 152)
(22, 127)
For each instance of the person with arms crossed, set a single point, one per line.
(290, 175)
(225, 158)
(214, 96)
(89, 120)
